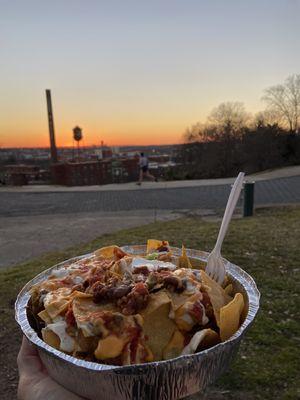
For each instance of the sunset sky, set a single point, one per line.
(134, 71)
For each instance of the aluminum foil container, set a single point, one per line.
(168, 380)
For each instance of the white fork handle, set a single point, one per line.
(231, 203)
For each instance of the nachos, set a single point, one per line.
(120, 309)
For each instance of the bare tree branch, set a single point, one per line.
(229, 115)
(284, 100)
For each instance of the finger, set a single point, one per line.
(28, 359)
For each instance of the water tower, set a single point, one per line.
(77, 136)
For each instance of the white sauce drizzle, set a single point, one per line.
(67, 343)
(152, 265)
(205, 320)
(125, 266)
(86, 327)
(78, 279)
(63, 272)
(190, 286)
(194, 343)
(188, 319)
(60, 273)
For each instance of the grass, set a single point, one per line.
(267, 246)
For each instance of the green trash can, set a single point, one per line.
(248, 199)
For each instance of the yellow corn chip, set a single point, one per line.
(86, 314)
(58, 301)
(225, 282)
(51, 338)
(153, 245)
(182, 318)
(158, 327)
(229, 289)
(45, 316)
(174, 347)
(106, 252)
(183, 260)
(207, 336)
(109, 347)
(230, 316)
(218, 297)
(178, 299)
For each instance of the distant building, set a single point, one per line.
(19, 175)
(95, 165)
(104, 152)
(95, 172)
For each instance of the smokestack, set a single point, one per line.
(51, 127)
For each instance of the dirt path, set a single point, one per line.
(25, 237)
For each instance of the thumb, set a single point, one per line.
(28, 360)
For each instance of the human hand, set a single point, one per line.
(34, 380)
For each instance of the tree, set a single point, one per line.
(266, 118)
(229, 117)
(225, 121)
(199, 132)
(284, 100)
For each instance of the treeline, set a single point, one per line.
(255, 150)
(233, 140)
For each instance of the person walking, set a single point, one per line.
(144, 169)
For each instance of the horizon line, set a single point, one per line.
(89, 146)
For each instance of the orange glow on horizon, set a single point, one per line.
(161, 137)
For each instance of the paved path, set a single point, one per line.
(34, 223)
(275, 191)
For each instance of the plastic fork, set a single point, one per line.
(215, 267)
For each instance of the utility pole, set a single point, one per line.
(51, 127)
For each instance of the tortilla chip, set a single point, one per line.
(178, 299)
(153, 245)
(158, 327)
(155, 301)
(225, 281)
(111, 252)
(45, 317)
(51, 338)
(60, 299)
(230, 316)
(48, 285)
(229, 289)
(183, 260)
(210, 336)
(210, 339)
(57, 302)
(174, 347)
(87, 317)
(122, 266)
(84, 307)
(183, 319)
(218, 297)
(106, 252)
(109, 347)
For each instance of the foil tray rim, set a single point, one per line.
(233, 270)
